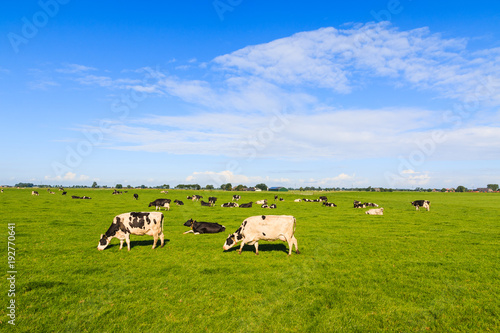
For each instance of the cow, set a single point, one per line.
(422, 203)
(75, 197)
(297, 200)
(273, 206)
(34, 193)
(178, 202)
(323, 198)
(164, 192)
(229, 204)
(236, 197)
(358, 204)
(329, 204)
(64, 193)
(370, 204)
(275, 197)
(158, 203)
(262, 227)
(84, 197)
(52, 192)
(206, 204)
(246, 205)
(2, 190)
(135, 223)
(136, 196)
(212, 200)
(281, 199)
(61, 188)
(261, 202)
(203, 227)
(375, 211)
(196, 197)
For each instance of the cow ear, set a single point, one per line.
(102, 235)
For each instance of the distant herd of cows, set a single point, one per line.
(252, 230)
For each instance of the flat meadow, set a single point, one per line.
(405, 271)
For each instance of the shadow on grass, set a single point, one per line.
(137, 243)
(262, 248)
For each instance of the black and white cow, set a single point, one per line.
(207, 204)
(236, 197)
(261, 202)
(136, 196)
(203, 227)
(273, 206)
(178, 202)
(158, 203)
(135, 223)
(229, 204)
(422, 203)
(358, 204)
(329, 204)
(64, 193)
(196, 197)
(34, 193)
(370, 204)
(246, 205)
(323, 198)
(262, 227)
(212, 200)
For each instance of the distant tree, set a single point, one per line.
(226, 187)
(119, 186)
(24, 185)
(143, 186)
(94, 185)
(262, 186)
(493, 187)
(461, 189)
(443, 190)
(240, 187)
(209, 187)
(129, 186)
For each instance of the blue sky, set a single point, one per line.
(369, 93)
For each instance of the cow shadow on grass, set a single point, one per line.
(138, 243)
(262, 248)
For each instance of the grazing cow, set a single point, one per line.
(134, 223)
(262, 227)
(297, 200)
(323, 198)
(246, 205)
(329, 204)
(273, 206)
(261, 202)
(422, 203)
(212, 200)
(229, 204)
(136, 196)
(375, 211)
(178, 202)
(64, 193)
(203, 227)
(275, 197)
(158, 203)
(34, 193)
(236, 197)
(206, 204)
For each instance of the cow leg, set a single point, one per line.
(121, 243)
(155, 239)
(241, 247)
(294, 242)
(162, 239)
(256, 248)
(127, 238)
(187, 232)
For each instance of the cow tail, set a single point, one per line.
(161, 223)
(294, 224)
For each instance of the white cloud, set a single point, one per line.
(226, 176)
(75, 68)
(68, 176)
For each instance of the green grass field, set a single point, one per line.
(406, 271)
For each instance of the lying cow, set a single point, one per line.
(34, 193)
(375, 211)
(178, 202)
(422, 203)
(158, 203)
(203, 227)
(207, 204)
(370, 204)
(261, 202)
(236, 197)
(358, 204)
(230, 204)
(246, 205)
(297, 200)
(212, 200)
(269, 228)
(134, 223)
(329, 204)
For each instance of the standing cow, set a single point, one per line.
(422, 203)
(135, 223)
(136, 196)
(262, 227)
(158, 203)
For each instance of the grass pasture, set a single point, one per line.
(406, 271)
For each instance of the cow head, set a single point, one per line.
(189, 223)
(103, 242)
(232, 239)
